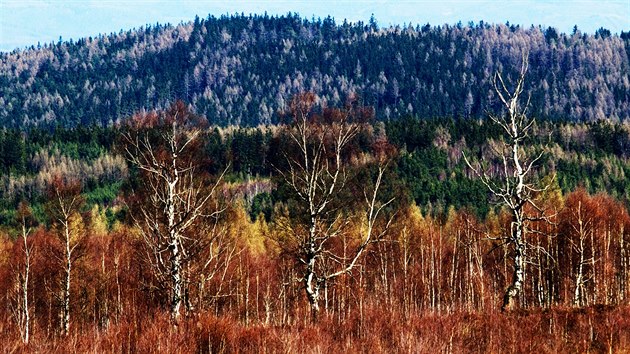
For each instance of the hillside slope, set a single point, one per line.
(242, 70)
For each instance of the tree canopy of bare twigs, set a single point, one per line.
(176, 204)
(515, 187)
(64, 205)
(20, 308)
(317, 175)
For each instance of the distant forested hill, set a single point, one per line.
(242, 70)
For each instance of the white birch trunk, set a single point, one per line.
(579, 278)
(24, 317)
(174, 246)
(65, 301)
(518, 264)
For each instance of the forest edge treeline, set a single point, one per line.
(429, 165)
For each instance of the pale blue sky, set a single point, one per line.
(25, 22)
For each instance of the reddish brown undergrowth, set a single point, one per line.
(595, 329)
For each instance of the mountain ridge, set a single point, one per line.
(242, 70)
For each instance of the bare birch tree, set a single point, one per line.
(582, 231)
(515, 187)
(20, 308)
(65, 203)
(317, 175)
(174, 205)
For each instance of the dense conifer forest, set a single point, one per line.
(277, 184)
(242, 70)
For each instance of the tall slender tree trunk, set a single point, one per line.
(594, 279)
(311, 281)
(311, 286)
(579, 279)
(454, 274)
(176, 279)
(119, 307)
(578, 295)
(480, 274)
(176, 256)
(65, 301)
(514, 290)
(24, 315)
